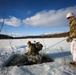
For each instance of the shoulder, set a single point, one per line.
(74, 20)
(32, 45)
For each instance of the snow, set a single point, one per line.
(57, 48)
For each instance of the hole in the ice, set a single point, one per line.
(21, 60)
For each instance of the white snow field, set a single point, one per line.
(57, 48)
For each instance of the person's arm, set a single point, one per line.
(29, 50)
(68, 38)
(73, 29)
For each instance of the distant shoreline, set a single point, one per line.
(55, 35)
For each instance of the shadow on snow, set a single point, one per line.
(60, 54)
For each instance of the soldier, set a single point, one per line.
(31, 49)
(33, 54)
(72, 36)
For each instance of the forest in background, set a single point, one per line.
(55, 35)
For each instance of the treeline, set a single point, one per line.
(55, 35)
(3, 36)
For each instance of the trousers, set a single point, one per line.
(73, 49)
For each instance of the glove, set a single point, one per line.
(68, 39)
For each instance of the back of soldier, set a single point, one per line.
(35, 51)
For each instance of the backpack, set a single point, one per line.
(38, 46)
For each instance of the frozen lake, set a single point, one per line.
(57, 48)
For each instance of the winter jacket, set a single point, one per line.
(33, 50)
(72, 32)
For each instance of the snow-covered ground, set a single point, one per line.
(57, 48)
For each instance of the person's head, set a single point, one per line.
(69, 16)
(29, 43)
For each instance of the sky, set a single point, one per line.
(35, 17)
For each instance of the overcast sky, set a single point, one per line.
(35, 17)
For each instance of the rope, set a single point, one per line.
(2, 25)
(44, 42)
(3, 17)
(55, 44)
(63, 55)
(10, 41)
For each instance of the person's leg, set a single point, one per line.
(73, 50)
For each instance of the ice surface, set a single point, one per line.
(54, 47)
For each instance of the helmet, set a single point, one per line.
(69, 15)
